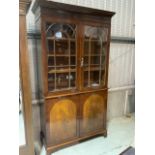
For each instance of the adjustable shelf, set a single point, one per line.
(61, 55)
(62, 71)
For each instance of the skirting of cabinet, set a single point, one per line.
(52, 149)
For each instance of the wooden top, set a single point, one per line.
(24, 6)
(71, 8)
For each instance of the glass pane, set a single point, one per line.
(62, 61)
(50, 46)
(50, 60)
(51, 81)
(73, 48)
(85, 78)
(102, 77)
(72, 60)
(86, 60)
(61, 46)
(62, 80)
(72, 78)
(95, 45)
(94, 78)
(86, 47)
(94, 60)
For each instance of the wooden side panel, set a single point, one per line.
(93, 112)
(62, 119)
(28, 148)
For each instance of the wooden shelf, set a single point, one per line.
(92, 69)
(63, 66)
(51, 80)
(60, 55)
(94, 64)
(61, 71)
(60, 39)
(62, 89)
(87, 55)
(86, 39)
(91, 65)
(95, 40)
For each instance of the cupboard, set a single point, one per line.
(75, 45)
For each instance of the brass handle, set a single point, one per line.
(82, 62)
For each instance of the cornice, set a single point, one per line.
(23, 6)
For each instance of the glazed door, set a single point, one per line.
(93, 112)
(61, 56)
(62, 119)
(94, 60)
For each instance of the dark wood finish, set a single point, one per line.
(93, 107)
(62, 118)
(72, 114)
(71, 8)
(28, 148)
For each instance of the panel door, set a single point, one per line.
(93, 112)
(62, 119)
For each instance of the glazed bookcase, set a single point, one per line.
(75, 45)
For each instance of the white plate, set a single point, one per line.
(95, 84)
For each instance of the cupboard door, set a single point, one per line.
(61, 58)
(62, 119)
(93, 112)
(95, 46)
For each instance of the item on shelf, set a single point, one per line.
(95, 84)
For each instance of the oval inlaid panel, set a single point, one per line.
(63, 120)
(93, 109)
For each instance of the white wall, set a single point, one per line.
(121, 65)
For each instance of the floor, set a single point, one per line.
(120, 136)
(21, 130)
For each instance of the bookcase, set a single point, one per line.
(75, 44)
